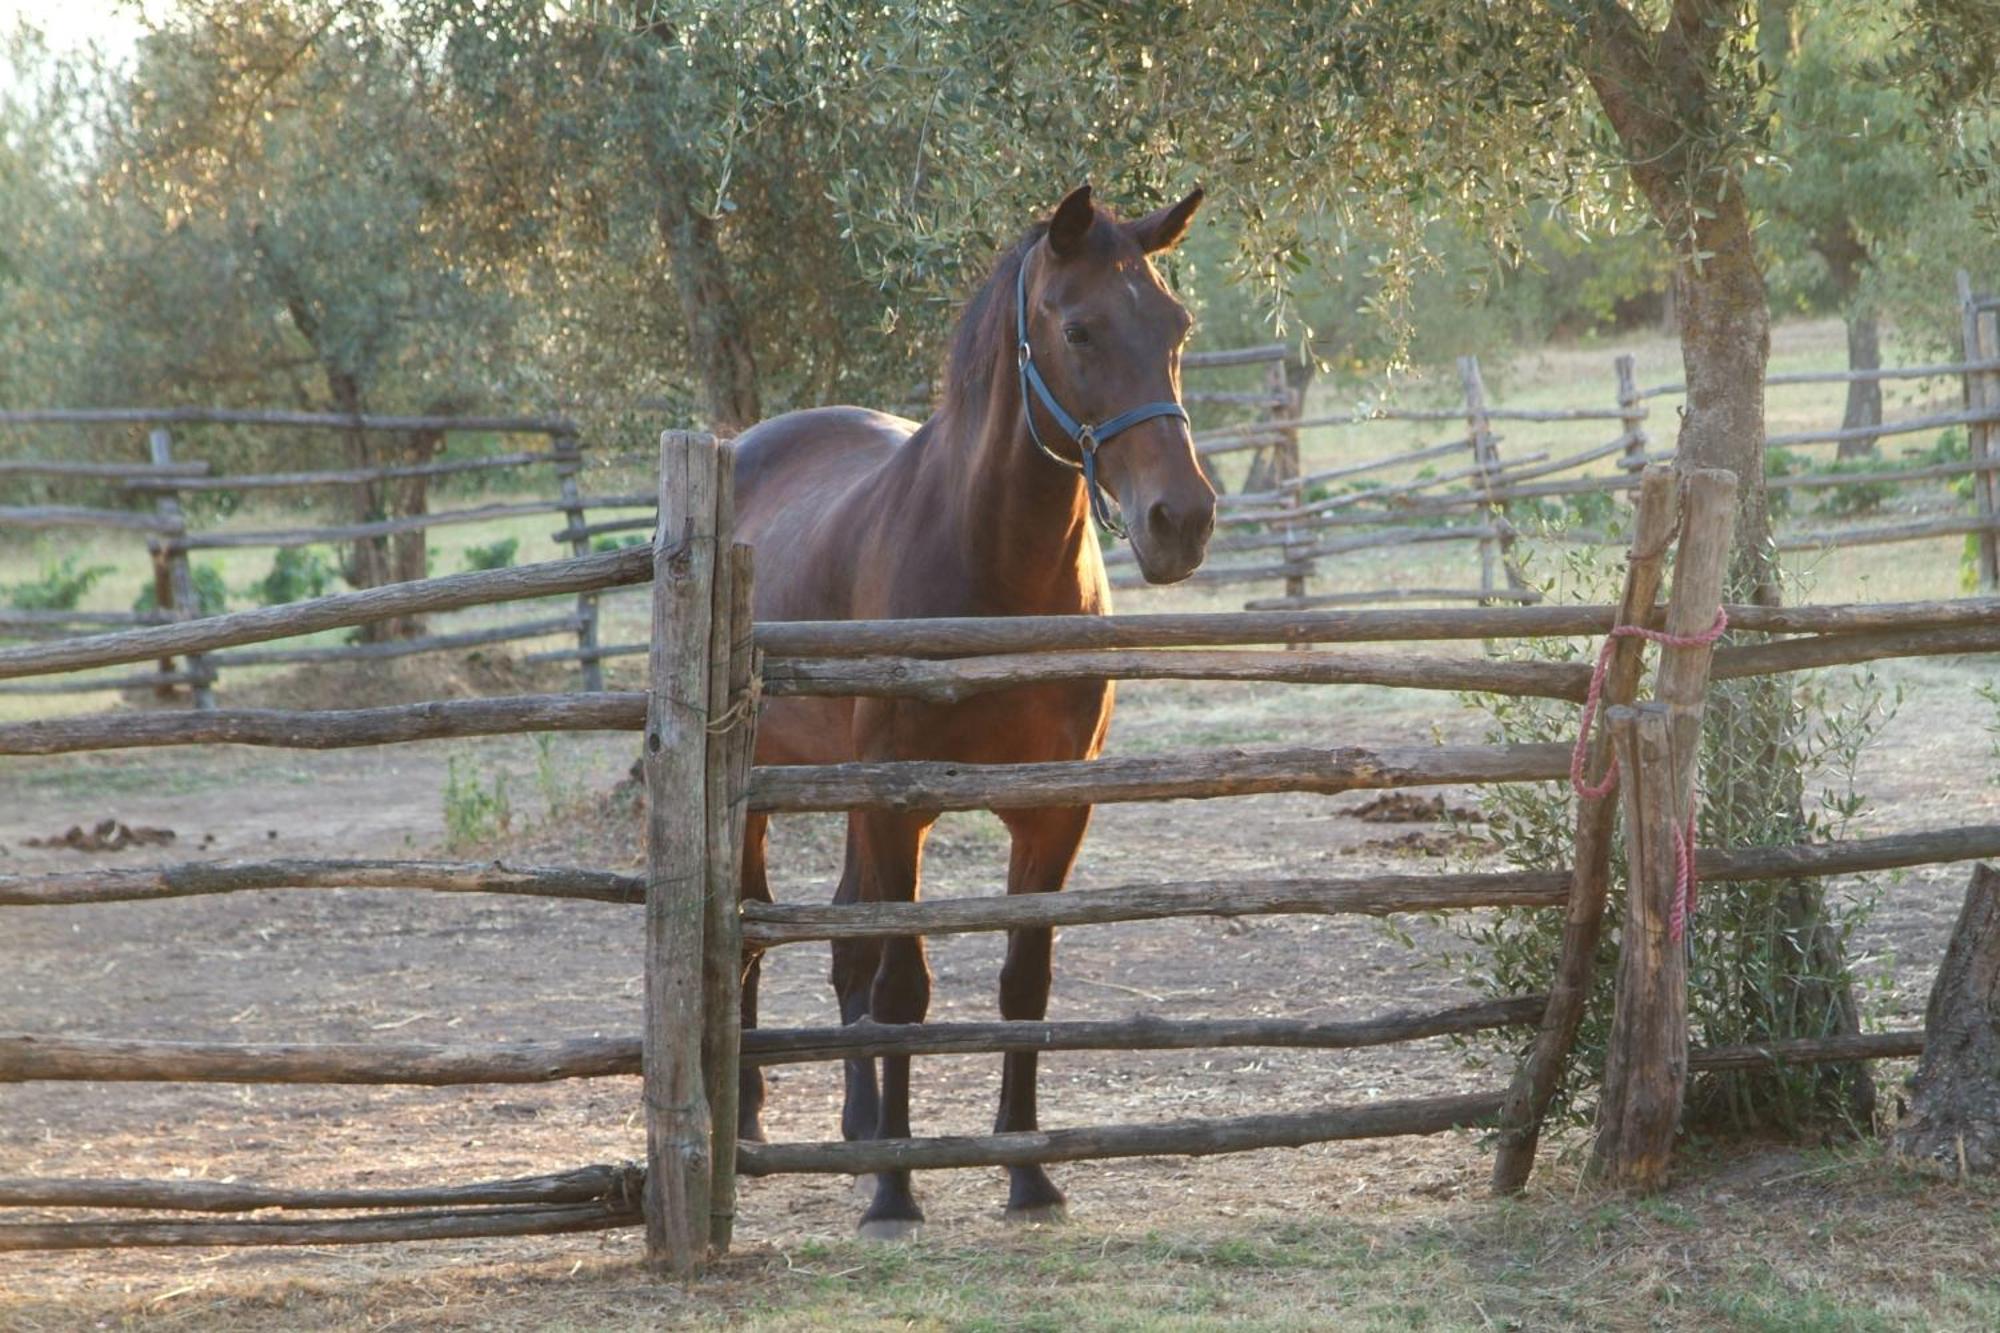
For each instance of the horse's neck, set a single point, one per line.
(1022, 522)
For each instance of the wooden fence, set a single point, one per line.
(709, 665)
(163, 481)
(1289, 530)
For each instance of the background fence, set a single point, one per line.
(709, 664)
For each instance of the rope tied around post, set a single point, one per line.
(1687, 882)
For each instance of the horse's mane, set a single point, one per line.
(984, 339)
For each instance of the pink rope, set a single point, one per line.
(1684, 876)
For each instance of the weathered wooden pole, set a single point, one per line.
(1540, 1071)
(569, 462)
(171, 553)
(1631, 414)
(685, 551)
(733, 700)
(1646, 1066)
(1982, 393)
(1495, 552)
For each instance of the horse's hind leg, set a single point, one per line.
(756, 888)
(891, 856)
(1045, 846)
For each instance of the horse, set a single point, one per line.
(986, 509)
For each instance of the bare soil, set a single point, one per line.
(360, 965)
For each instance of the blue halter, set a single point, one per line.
(1086, 437)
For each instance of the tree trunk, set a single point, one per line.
(1954, 1116)
(718, 343)
(1655, 87)
(409, 552)
(1864, 397)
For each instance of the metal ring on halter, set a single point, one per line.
(1086, 437)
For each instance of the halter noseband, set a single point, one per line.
(1085, 436)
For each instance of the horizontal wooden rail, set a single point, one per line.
(1825, 650)
(394, 648)
(91, 684)
(1181, 1138)
(171, 474)
(951, 679)
(224, 416)
(1810, 1050)
(67, 620)
(934, 785)
(1222, 576)
(767, 924)
(979, 637)
(20, 517)
(589, 1184)
(521, 1220)
(1895, 532)
(1908, 426)
(772, 1046)
(1235, 356)
(1849, 376)
(112, 884)
(72, 1059)
(1317, 601)
(452, 592)
(347, 532)
(358, 476)
(1851, 856)
(329, 729)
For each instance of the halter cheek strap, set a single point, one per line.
(1085, 436)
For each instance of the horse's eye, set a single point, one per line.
(1075, 335)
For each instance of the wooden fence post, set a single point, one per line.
(1982, 393)
(1494, 552)
(734, 690)
(1645, 1068)
(1631, 415)
(1541, 1070)
(569, 463)
(170, 555)
(693, 516)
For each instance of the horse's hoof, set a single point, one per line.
(864, 1188)
(1041, 1215)
(890, 1228)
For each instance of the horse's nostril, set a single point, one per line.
(1160, 519)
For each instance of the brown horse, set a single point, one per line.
(984, 510)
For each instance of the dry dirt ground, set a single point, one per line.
(1390, 1218)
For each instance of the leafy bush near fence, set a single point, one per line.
(296, 573)
(493, 555)
(59, 588)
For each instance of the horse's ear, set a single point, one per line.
(1071, 222)
(1163, 228)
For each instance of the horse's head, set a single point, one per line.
(1106, 336)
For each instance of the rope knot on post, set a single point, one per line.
(1579, 759)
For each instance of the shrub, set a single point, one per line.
(493, 555)
(296, 573)
(474, 813)
(60, 587)
(618, 543)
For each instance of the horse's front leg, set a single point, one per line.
(1045, 846)
(887, 849)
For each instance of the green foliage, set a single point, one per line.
(494, 555)
(59, 588)
(617, 543)
(474, 812)
(211, 594)
(296, 573)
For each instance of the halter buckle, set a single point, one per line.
(1086, 439)
(1021, 355)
